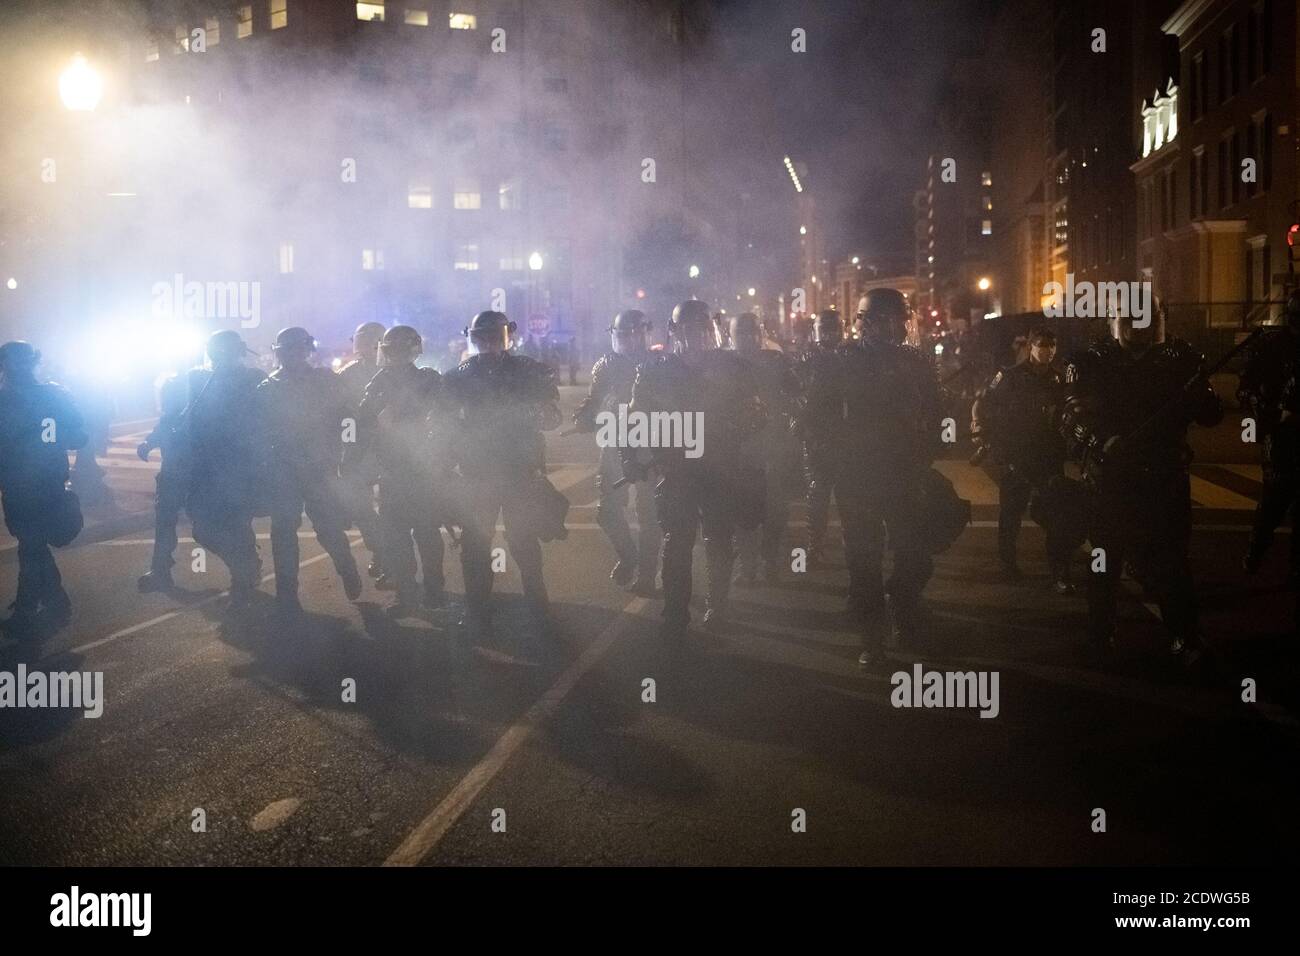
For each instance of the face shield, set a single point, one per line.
(489, 341)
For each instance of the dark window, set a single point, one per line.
(1236, 165)
(1266, 152)
(1223, 173)
(1197, 84)
(1173, 197)
(1193, 185)
(1266, 37)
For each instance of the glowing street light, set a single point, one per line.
(803, 230)
(12, 283)
(80, 87)
(693, 272)
(854, 260)
(751, 291)
(984, 284)
(535, 262)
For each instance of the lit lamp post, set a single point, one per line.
(80, 90)
(535, 263)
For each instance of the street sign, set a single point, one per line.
(539, 325)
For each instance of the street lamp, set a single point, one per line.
(80, 87)
(535, 262)
(803, 230)
(12, 284)
(693, 272)
(751, 291)
(984, 284)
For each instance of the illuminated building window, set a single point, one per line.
(286, 256)
(151, 51)
(419, 196)
(417, 18)
(988, 203)
(462, 21)
(466, 257)
(212, 26)
(370, 11)
(244, 27)
(372, 259)
(182, 40)
(512, 257)
(509, 197)
(466, 195)
(279, 14)
(986, 179)
(986, 227)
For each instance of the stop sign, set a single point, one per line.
(539, 325)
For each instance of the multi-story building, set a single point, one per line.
(1217, 175)
(411, 161)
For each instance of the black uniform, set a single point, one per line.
(612, 378)
(720, 490)
(1272, 363)
(303, 413)
(1016, 417)
(359, 483)
(774, 451)
(819, 369)
(413, 467)
(33, 475)
(171, 485)
(1139, 483)
(884, 412)
(229, 482)
(497, 400)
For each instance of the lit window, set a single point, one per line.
(213, 27)
(512, 257)
(245, 25)
(279, 13)
(370, 11)
(372, 259)
(508, 195)
(986, 179)
(417, 18)
(286, 256)
(988, 203)
(419, 196)
(986, 227)
(463, 21)
(466, 195)
(466, 256)
(182, 39)
(151, 51)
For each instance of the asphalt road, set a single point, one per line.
(524, 750)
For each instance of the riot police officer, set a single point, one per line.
(306, 415)
(888, 428)
(1015, 421)
(711, 486)
(502, 403)
(815, 424)
(611, 388)
(171, 484)
(398, 420)
(359, 485)
(773, 451)
(1127, 408)
(1272, 362)
(39, 424)
(229, 483)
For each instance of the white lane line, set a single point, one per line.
(430, 831)
(144, 625)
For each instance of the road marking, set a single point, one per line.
(430, 831)
(144, 625)
(1209, 495)
(275, 814)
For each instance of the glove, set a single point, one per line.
(142, 450)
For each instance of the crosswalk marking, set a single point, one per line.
(1209, 495)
